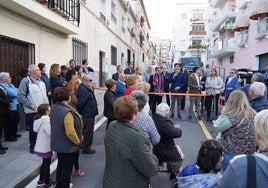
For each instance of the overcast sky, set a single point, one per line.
(161, 16)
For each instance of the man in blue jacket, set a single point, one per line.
(177, 80)
(87, 107)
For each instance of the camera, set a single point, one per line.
(245, 74)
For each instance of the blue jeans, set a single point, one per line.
(227, 157)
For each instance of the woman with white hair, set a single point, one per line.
(11, 128)
(236, 174)
(166, 150)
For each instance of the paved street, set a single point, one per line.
(19, 168)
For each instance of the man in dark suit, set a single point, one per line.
(130, 69)
(166, 74)
(119, 69)
(195, 87)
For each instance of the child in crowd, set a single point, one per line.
(42, 147)
(205, 173)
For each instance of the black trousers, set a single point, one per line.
(88, 131)
(64, 169)
(208, 104)
(155, 100)
(45, 170)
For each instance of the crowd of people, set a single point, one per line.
(60, 110)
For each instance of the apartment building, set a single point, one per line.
(189, 31)
(106, 32)
(239, 33)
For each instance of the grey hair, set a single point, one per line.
(258, 88)
(141, 98)
(3, 76)
(86, 77)
(32, 68)
(258, 77)
(162, 109)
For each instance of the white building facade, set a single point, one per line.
(106, 32)
(189, 30)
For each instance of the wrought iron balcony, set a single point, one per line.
(69, 9)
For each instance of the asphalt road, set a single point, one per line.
(93, 165)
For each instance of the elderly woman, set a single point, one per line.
(66, 125)
(132, 82)
(109, 97)
(129, 160)
(11, 128)
(143, 121)
(236, 175)
(237, 130)
(145, 87)
(166, 150)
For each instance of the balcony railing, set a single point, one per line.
(69, 9)
(262, 29)
(198, 32)
(242, 38)
(223, 48)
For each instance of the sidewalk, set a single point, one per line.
(18, 167)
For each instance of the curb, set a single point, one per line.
(29, 180)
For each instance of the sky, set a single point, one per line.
(161, 16)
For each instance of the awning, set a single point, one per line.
(260, 8)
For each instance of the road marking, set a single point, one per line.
(203, 126)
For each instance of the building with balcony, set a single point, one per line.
(220, 38)
(246, 44)
(189, 30)
(106, 32)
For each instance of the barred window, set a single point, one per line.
(80, 50)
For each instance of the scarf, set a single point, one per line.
(158, 82)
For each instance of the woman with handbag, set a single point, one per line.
(237, 131)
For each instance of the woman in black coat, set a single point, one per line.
(109, 97)
(166, 150)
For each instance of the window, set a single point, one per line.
(123, 24)
(103, 10)
(113, 12)
(143, 57)
(183, 16)
(113, 55)
(196, 42)
(198, 27)
(197, 16)
(80, 50)
(129, 26)
(231, 59)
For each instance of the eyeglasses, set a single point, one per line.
(231, 72)
(89, 80)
